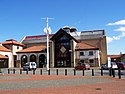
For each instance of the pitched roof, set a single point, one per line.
(13, 42)
(85, 46)
(3, 57)
(115, 56)
(62, 31)
(32, 49)
(36, 37)
(2, 48)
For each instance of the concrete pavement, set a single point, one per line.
(52, 84)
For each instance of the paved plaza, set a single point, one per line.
(53, 84)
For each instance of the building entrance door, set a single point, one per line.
(42, 61)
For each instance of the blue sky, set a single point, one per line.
(19, 18)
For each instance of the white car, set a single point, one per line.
(30, 66)
(114, 65)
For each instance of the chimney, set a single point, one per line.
(73, 29)
(1, 44)
(120, 53)
(66, 28)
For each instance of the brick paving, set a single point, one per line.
(46, 84)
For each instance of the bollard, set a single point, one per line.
(41, 71)
(92, 72)
(20, 71)
(8, 71)
(13, 71)
(110, 72)
(101, 72)
(83, 72)
(65, 71)
(27, 71)
(74, 72)
(33, 71)
(113, 72)
(56, 71)
(49, 72)
(119, 73)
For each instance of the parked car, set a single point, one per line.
(30, 66)
(121, 65)
(104, 66)
(82, 66)
(113, 66)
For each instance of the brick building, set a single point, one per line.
(67, 47)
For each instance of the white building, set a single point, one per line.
(10, 48)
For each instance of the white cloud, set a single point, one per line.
(121, 22)
(122, 29)
(117, 37)
(121, 35)
(109, 39)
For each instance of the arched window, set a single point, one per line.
(6, 62)
(42, 60)
(23, 60)
(32, 58)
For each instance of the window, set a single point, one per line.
(62, 54)
(82, 61)
(17, 47)
(91, 61)
(90, 52)
(24, 60)
(81, 53)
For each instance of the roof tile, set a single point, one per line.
(2, 48)
(3, 57)
(32, 49)
(12, 42)
(85, 46)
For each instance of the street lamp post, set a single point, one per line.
(47, 30)
(47, 35)
(12, 63)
